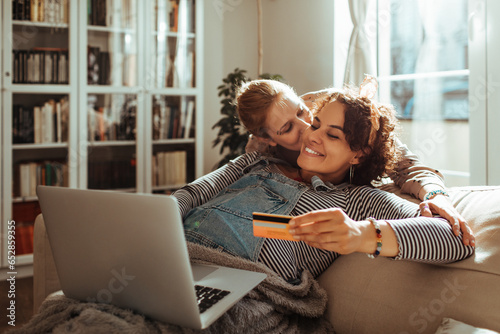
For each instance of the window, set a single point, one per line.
(419, 51)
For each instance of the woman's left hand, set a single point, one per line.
(442, 206)
(329, 229)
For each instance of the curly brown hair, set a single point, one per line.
(380, 156)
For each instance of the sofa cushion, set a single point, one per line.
(387, 296)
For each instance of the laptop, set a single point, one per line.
(129, 250)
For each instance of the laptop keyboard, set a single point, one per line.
(208, 296)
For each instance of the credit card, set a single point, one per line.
(266, 225)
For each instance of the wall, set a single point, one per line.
(297, 42)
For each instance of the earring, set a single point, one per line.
(351, 173)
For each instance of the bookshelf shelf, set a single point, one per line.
(106, 137)
(173, 141)
(112, 30)
(110, 143)
(106, 89)
(174, 34)
(173, 91)
(44, 25)
(24, 199)
(41, 89)
(39, 146)
(25, 259)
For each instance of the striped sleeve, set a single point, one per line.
(206, 187)
(431, 240)
(421, 239)
(411, 175)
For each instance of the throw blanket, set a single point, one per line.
(274, 306)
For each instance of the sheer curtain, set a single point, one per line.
(440, 37)
(360, 59)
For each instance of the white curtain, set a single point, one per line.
(360, 59)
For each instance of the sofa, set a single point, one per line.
(386, 296)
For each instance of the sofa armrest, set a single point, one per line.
(45, 280)
(386, 296)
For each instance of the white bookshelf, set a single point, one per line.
(139, 40)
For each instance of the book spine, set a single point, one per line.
(41, 10)
(34, 10)
(59, 122)
(24, 180)
(33, 181)
(189, 119)
(37, 111)
(27, 10)
(15, 124)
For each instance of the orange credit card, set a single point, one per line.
(266, 225)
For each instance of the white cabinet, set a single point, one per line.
(98, 95)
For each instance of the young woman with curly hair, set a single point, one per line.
(276, 118)
(377, 142)
(332, 216)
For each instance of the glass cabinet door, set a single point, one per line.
(172, 37)
(171, 104)
(37, 103)
(111, 94)
(112, 43)
(172, 137)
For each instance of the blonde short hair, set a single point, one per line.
(254, 100)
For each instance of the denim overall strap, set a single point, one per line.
(225, 222)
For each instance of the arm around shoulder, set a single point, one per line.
(206, 187)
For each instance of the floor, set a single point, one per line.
(23, 299)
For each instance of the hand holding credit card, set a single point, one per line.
(273, 226)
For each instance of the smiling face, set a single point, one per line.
(286, 121)
(325, 151)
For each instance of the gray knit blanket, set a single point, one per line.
(274, 306)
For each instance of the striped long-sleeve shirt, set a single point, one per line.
(419, 238)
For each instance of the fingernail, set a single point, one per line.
(292, 231)
(291, 223)
(473, 243)
(296, 237)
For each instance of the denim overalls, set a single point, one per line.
(225, 222)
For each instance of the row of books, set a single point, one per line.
(167, 13)
(24, 214)
(50, 11)
(24, 237)
(169, 168)
(115, 174)
(28, 175)
(170, 72)
(41, 66)
(116, 13)
(114, 122)
(106, 68)
(47, 123)
(171, 122)
(98, 66)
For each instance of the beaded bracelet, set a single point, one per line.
(432, 194)
(379, 237)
